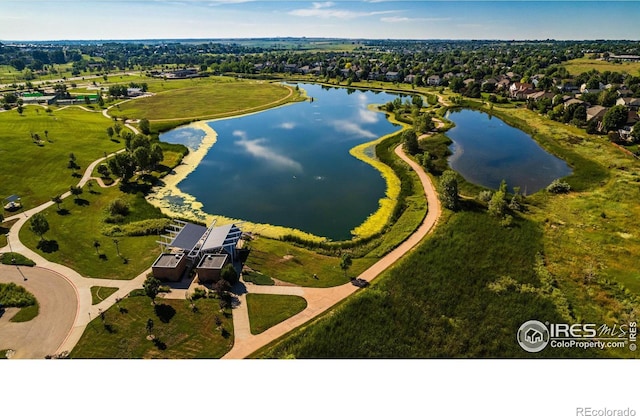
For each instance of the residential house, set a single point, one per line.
(391, 76)
(434, 80)
(630, 102)
(596, 111)
(520, 90)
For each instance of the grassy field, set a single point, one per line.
(180, 333)
(283, 261)
(437, 303)
(100, 293)
(580, 65)
(266, 311)
(39, 171)
(214, 99)
(78, 224)
(16, 258)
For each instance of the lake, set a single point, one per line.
(290, 166)
(486, 150)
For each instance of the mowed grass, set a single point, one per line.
(100, 293)
(580, 65)
(266, 311)
(180, 332)
(283, 261)
(77, 225)
(37, 172)
(207, 100)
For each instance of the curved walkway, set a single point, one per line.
(320, 299)
(84, 312)
(61, 315)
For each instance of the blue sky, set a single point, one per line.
(152, 19)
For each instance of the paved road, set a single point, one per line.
(44, 334)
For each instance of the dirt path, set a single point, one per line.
(320, 300)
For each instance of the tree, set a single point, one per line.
(144, 126)
(615, 118)
(110, 132)
(345, 263)
(448, 194)
(558, 187)
(76, 191)
(151, 288)
(635, 133)
(96, 245)
(39, 225)
(410, 141)
(122, 165)
(142, 157)
(229, 274)
(498, 202)
(149, 326)
(20, 109)
(103, 170)
(57, 200)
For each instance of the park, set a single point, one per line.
(85, 218)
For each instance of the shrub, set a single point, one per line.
(558, 187)
(118, 207)
(12, 295)
(135, 229)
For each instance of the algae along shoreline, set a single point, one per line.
(172, 201)
(344, 138)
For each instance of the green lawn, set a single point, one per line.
(580, 65)
(26, 314)
(16, 258)
(214, 99)
(283, 261)
(180, 333)
(39, 171)
(266, 311)
(100, 293)
(77, 225)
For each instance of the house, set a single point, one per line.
(596, 111)
(189, 243)
(520, 90)
(391, 76)
(585, 90)
(134, 92)
(434, 80)
(540, 95)
(503, 84)
(573, 101)
(630, 102)
(410, 79)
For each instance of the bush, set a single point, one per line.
(137, 228)
(12, 295)
(118, 207)
(558, 187)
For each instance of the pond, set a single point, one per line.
(486, 150)
(290, 166)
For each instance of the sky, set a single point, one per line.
(370, 19)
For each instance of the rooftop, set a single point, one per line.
(213, 261)
(168, 260)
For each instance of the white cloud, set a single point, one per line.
(257, 149)
(287, 125)
(325, 10)
(349, 127)
(403, 19)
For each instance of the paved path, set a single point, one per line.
(31, 343)
(42, 335)
(56, 286)
(321, 299)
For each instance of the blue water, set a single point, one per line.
(486, 150)
(291, 166)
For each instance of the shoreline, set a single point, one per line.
(175, 203)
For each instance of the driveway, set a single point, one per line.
(44, 334)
